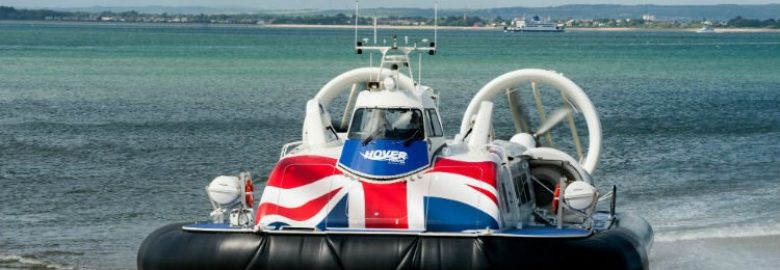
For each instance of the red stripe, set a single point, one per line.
(303, 212)
(298, 171)
(484, 171)
(486, 192)
(386, 205)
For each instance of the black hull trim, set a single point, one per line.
(624, 246)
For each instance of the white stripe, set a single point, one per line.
(458, 178)
(311, 222)
(415, 194)
(295, 197)
(454, 187)
(356, 203)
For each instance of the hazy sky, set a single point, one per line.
(345, 4)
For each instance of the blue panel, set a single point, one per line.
(547, 231)
(277, 225)
(209, 226)
(384, 158)
(445, 215)
(337, 216)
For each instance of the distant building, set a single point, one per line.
(648, 17)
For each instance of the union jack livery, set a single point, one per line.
(310, 191)
(388, 166)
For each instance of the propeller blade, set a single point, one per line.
(519, 110)
(554, 119)
(540, 110)
(573, 127)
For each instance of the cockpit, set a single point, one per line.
(387, 123)
(387, 143)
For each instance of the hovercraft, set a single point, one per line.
(384, 189)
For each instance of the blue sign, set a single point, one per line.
(384, 159)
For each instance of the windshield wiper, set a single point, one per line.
(408, 140)
(371, 137)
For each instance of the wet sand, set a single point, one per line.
(762, 252)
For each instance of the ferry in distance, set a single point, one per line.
(534, 25)
(706, 28)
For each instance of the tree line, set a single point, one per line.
(740, 22)
(10, 13)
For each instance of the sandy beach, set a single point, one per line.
(574, 29)
(425, 27)
(717, 253)
(717, 30)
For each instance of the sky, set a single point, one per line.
(348, 4)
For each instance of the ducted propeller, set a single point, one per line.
(552, 121)
(575, 102)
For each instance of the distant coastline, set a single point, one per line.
(594, 19)
(317, 26)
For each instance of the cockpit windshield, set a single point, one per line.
(387, 123)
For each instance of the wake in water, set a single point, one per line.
(732, 247)
(723, 232)
(28, 262)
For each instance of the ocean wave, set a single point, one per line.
(730, 231)
(85, 138)
(27, 262)
(188, 124)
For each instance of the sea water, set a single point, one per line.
(110, 131)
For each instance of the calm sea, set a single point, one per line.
(110, 131)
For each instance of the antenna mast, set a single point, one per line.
(375, 30)
(396, 56)
(435, 22)
(357, 7)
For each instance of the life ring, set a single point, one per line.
(249, 198)
(556, 198)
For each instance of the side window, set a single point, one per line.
(332, 135)
(434, 123)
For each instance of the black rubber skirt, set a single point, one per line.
(624, 246)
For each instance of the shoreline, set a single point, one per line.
(751, 252)
(717, 30)
(386, 27)
(573, 29)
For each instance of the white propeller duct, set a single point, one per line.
(579, 100)
(358, 75)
